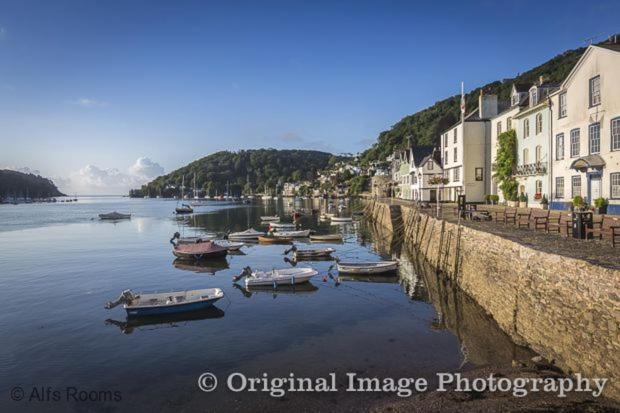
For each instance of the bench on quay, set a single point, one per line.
(606, 227)
(540, 219)
(563, 221)
(509, 215)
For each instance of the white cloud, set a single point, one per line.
(90, 103)
(146, 168)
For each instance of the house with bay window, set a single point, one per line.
(585, 112)
(533, 127)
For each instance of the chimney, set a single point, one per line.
(487, 106)
(541, 80)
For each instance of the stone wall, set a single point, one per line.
(565, 309)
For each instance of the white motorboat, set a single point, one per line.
(166, 303)
(179, 240)
(113, 216)
(248, 235)
(282, 225)
(342, 219)
(310, 253)
(270, 218)
(286, 276)
(229, 245)
(376, 267)
(292, 234)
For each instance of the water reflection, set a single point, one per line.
(165, 321)
(302, 289)
(210, 266)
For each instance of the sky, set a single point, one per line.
(102, 96)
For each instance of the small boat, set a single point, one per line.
(270, 239)
(166, 303)
(270, 218)
(247, 235)
(310, 253)
(179, 240)
(326, 238)
(229, 245)
(199, 251)
(287, 276)
(114, 216)
(376, 267)
(342, 219)
(184, 209)
(292, 234)
(282, 225)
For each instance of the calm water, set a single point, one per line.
(58, 266)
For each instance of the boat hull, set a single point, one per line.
(170, 309)
(367, 268)
(281, 278)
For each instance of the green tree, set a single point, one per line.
(506, 161)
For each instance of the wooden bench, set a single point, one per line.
(510, 215)
(608, 227)
(523, 218)
(564, 221)
(540, 219)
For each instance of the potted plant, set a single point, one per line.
(494, 199)
(522, 201)
(512, 201)
(578, 203)
(544, 202)
(600, 205)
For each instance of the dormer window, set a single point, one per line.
(533, 96)
(515, 99)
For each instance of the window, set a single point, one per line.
(595, 91)
(509, 124)
(559, 187)
(559, 146)
(456, 174)
(595, 138)
(445, 158)
(538, 185)
(576, 186)
(455, 157)
(533, 97)
(499, 128)
(615, 134)
(478, 174)
(526, 154)
(526, 128)
(429, 165)
(515, 99)
(538, 153)
(455, 134)
(562, 111)
(414, 179)
(538, 123)
(574, 143)
(445, 140)
(614, 179)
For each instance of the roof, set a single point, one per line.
(589, 161)
(420, 153)
(522, 87)
(610, 46)
(436, 156)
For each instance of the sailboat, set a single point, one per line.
(184, 208)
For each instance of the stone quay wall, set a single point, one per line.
(565, 309)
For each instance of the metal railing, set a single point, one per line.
(537, 168)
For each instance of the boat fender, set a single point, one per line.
(275, 285)
(293, 280)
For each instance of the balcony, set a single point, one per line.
(537, 168)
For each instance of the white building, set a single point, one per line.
(586, 130)
(425, 163)
(466, 152)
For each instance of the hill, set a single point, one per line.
(425, 126)
(21, 185)
(246, 171)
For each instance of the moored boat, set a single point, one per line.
(113, 216)
(282, 226)
(292, 234)
(179, 240)
(229, 245)
(166, 303)
(270, 239)
(248, 235)
(341, 219)
(270, 218)
(286, 276)
(199, 251)
(184, 209)
(326, 238)
(374, 267)
(310, 253)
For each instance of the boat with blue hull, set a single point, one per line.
(174, 302)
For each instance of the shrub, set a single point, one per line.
(522, 198)
(577, 201)
(544, 200)
(600, 202)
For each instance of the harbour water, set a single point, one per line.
(59, 265)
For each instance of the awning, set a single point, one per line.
(588, 162)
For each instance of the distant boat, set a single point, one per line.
(229, 245)
(326, 238)
(184, 208)
(247, 235)
(166, 303)
(292, 234)
(341, 219)
(270, 239)
(376, 267)
(179, 240)
(114, 216)
(300, 254)
(282, 226)
(275, 277)
(270, 218)
(199, 251)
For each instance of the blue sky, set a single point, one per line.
(103, 83)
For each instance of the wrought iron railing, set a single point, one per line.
(537, 168)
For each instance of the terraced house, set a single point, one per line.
(585, 113)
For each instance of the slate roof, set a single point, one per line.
(420, 153)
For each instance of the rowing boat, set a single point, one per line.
(199, 251)
(247, 235)
(376, 267)
(326, 238)
(292, 234)
(270, 239)
(229, 245)
(113, 216)
(310, 253)
(286, 276)
(166, 303)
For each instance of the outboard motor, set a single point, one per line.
(247, 271)
(292, 249)
(175, 237)
(126, 297)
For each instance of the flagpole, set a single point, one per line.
(462, 102)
